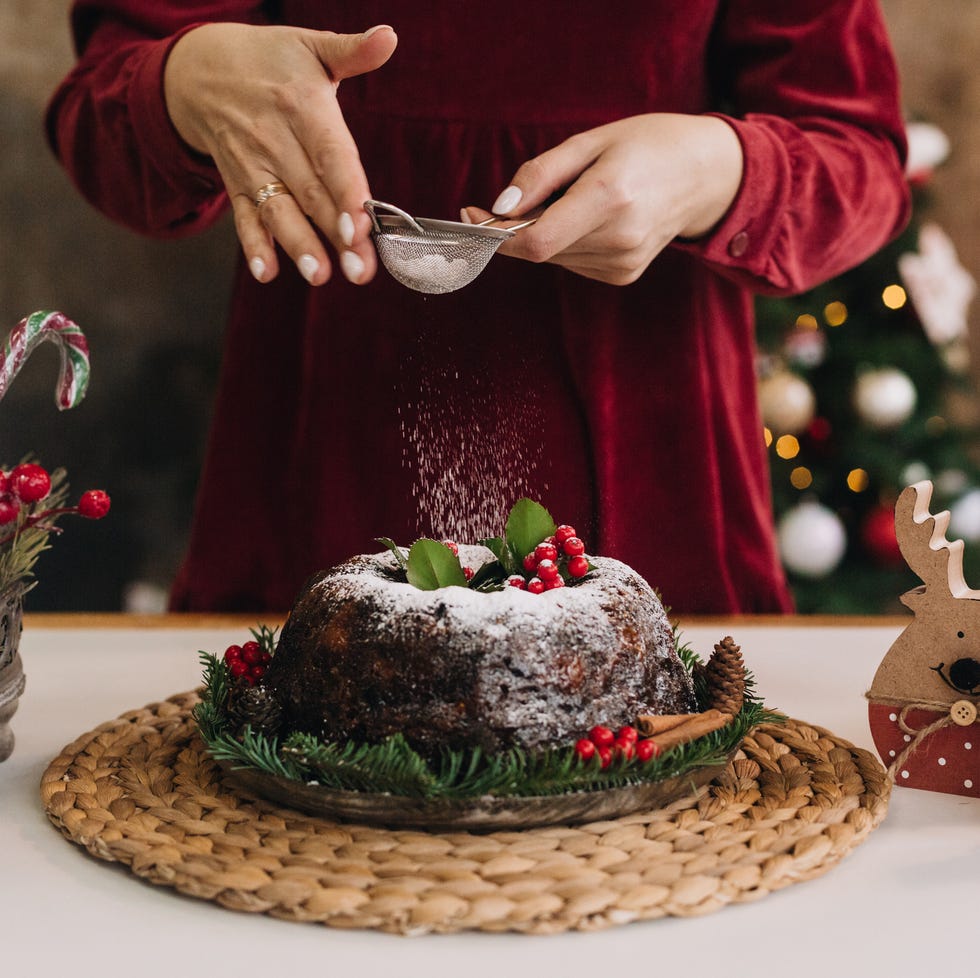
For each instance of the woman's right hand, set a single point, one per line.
(262, 103)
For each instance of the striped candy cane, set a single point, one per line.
(72, 345)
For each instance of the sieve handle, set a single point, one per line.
(371, 205)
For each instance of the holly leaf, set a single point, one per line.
(395, 549)
(431, 565)
(489, 577)
(527, 525)
(498, 547)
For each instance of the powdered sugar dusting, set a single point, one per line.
(471, 452)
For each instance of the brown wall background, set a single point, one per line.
(153, 311)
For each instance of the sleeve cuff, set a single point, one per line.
(180, 165)
(744, 239)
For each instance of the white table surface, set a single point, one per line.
(902, 903)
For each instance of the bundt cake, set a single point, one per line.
(364, 655)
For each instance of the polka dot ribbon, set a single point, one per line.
(72, 345)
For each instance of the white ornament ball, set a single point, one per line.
(951, 482)
(787, 403)
(915, 472)
(812, 540)
(884, 398)
(964, 517)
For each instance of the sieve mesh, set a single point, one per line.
(432, 256)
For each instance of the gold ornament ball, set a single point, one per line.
(787, 402)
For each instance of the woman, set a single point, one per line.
(693, 154)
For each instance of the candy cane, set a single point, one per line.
(72, 345)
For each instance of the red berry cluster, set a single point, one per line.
(27, 484)
(624, 743)
(547, 566)
(247, 662)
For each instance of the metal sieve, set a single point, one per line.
(433, 256)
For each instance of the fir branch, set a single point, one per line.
(30, 539)
(266, 637)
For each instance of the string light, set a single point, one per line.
(835, 313)
(894, 296)
(801, 477)
(857, 480)
(787, 446)
(767, 436)
(806, 321)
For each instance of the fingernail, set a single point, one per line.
(308, 267)
(464, 216)
(507, 200)
(352, 265)
(375, 29)
(257, 267)
(345, 227)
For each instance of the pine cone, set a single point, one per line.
(724, 677)
(254, 705)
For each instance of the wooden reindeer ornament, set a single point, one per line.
(923, 702)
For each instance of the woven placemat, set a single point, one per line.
(141, 790)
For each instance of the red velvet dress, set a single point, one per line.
(346, 413)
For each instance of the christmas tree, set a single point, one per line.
(858, 380)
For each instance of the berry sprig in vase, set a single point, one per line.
(32, 499)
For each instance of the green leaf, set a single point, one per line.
(527, 525)
(432, 565)
(396, 550)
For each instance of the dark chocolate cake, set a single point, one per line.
(364, 655)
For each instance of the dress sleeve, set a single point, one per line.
(812, 92)
(108, 124)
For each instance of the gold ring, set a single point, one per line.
(267, 192)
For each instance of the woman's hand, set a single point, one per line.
(262, 102)
(630, 188)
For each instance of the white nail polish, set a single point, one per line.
(257, 267)
(508, 200)
(308, 267)
(352, 265)
(345, 228)
(375, 29)
(464, 216)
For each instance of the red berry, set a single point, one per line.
(535, 585)
(646, 750)
(601, 736)
(585, 749)
(605, 753)
(452, 545)
(233, 653)
(546, 551)
(94, 504)
(547, 570)
(252, 653)
(627, 733)
(9, 511)
(468, 573)
(256, 672)
(558, 581)
(578, 566)
(623, 747)
(563, 533)
(515, 580)
(573, 547)
(530, 563)
(239, 668)
(4, 483)
(266, 657)
(30, 482)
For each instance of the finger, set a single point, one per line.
(546, 175)
(282, 219)
(560, 226)
(347, 55)
(256, 242)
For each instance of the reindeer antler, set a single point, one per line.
(922, 539)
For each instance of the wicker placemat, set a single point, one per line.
(141, 790)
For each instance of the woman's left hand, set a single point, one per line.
(627, 190)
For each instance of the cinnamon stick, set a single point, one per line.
(651, 724)
(697, 726)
